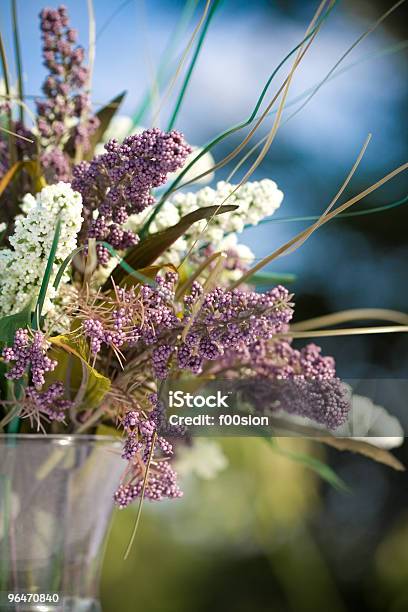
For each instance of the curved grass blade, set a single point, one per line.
(323, 219)
(321, 469)
(389, 50)
(17, 52)
(182, 60)
(356, 213)
(236, 127)
(346, 53)
(166, 59)
(193, 62)
(142, 495)
(6, 77)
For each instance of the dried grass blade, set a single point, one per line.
(17, 51)
(351, 331)
(284, 248)
(176, 183)
(357, 314)
(142, 495)
(363, 448)
(364, 35)
(336, 197)
(276, 123)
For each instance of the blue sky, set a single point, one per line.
(313, 152)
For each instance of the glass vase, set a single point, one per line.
(55, 508)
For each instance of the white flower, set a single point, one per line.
(28, 203)
(3, 226)
(22, 267)
(166, 217)
(202, 165)
(204, 458)
(255, 201)
(366, 422)
(370, 423)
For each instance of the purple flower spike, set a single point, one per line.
(119, 182)
(29, 353)
(65, 112)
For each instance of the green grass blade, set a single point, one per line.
(356, 213)
(193, 62)
(322, 469)
(234, 128)
(263, 279)
(166, 59)
(121, 262)
(46, 278)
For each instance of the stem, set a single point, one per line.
(142, 494)
(17, 51)
(352, 331)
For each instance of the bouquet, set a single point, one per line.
(116, 278)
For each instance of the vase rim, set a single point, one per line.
(64, 439)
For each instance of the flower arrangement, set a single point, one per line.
(111, 285)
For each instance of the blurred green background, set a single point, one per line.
(267, 536)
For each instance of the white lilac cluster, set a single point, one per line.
(22, 267)
(255, 201)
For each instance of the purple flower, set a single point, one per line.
(50, 403)
(66, 99)
(232, 321)
(119, 182)
(142, 445)
(301, 382)
(56, 166)
(29, 353)
(160, 359)
(161, 482)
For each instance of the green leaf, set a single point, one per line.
(271, 278)
(46, 278)
(108, 430)
(322, 469)
(11, 323)
(148, 250)
(71, 355)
